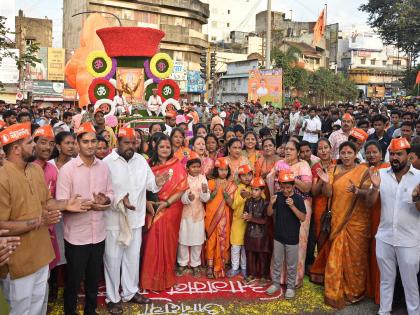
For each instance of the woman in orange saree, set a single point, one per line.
(181, 152)
(199, 146)
(250, 150)
(217, 219)
(373, 154)
(161, 240)
(235, 158)
(265, 164)
(347, 264)
(319, 205)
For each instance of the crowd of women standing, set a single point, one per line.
(345, 248)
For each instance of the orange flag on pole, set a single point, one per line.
(418, 77)
(319, 28)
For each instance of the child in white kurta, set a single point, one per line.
(192, 230)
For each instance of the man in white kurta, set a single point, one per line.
(131, 177)
(154, 104)
(398, 237)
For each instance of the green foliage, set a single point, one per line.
(6, 45)
(409, 80)
(322, 84)
(397, 22)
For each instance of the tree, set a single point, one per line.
(397, 22)
(322, 85)
(6, 45)
(287, 61)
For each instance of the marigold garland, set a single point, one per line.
(161, 65)
(98, 64)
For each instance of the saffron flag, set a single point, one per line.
(418, 77)
(319, 28)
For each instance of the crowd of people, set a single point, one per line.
(231, 190)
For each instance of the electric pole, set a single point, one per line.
(268, 41)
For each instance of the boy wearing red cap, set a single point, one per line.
(192, 231)
(237, 231)
(289, 211)
(256, 233)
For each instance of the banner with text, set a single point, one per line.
(266, 86)
(56, 63)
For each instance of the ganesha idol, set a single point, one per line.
(131, 72)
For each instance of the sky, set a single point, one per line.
(343, 11)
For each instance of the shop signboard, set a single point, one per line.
(195, 83)
(9, 72)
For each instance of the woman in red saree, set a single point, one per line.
(161, 239)
(374, 158)
(319, 205)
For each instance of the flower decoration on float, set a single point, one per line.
(168, 89)
(161, 65)
(170, 104)
(99, 65)
(101, 89)
(105, 105)
(149, 73)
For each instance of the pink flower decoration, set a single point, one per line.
(111, 121)
(282, 165)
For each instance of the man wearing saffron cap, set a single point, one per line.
(358, 137)
(131, 177)
(84, 233)
(44, 139)
(397, 239)
(170, 121)
(341, 135)
(27, 209)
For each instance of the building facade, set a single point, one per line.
(227, 16)
(233, 86)
(181, 20)
(32, 30)
(375, 68)
(285, 33)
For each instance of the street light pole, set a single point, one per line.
(268, 42)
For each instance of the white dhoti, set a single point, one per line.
(407, 258)
(121, 266)
(26, 295)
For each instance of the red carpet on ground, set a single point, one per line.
(192, 288)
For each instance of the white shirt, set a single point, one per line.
(154, 103)
(133, 177)
(400, 219)
(120, 100)
(294, 118)
(312, 124)
(168, 130)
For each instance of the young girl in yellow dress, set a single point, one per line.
(237, 231)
